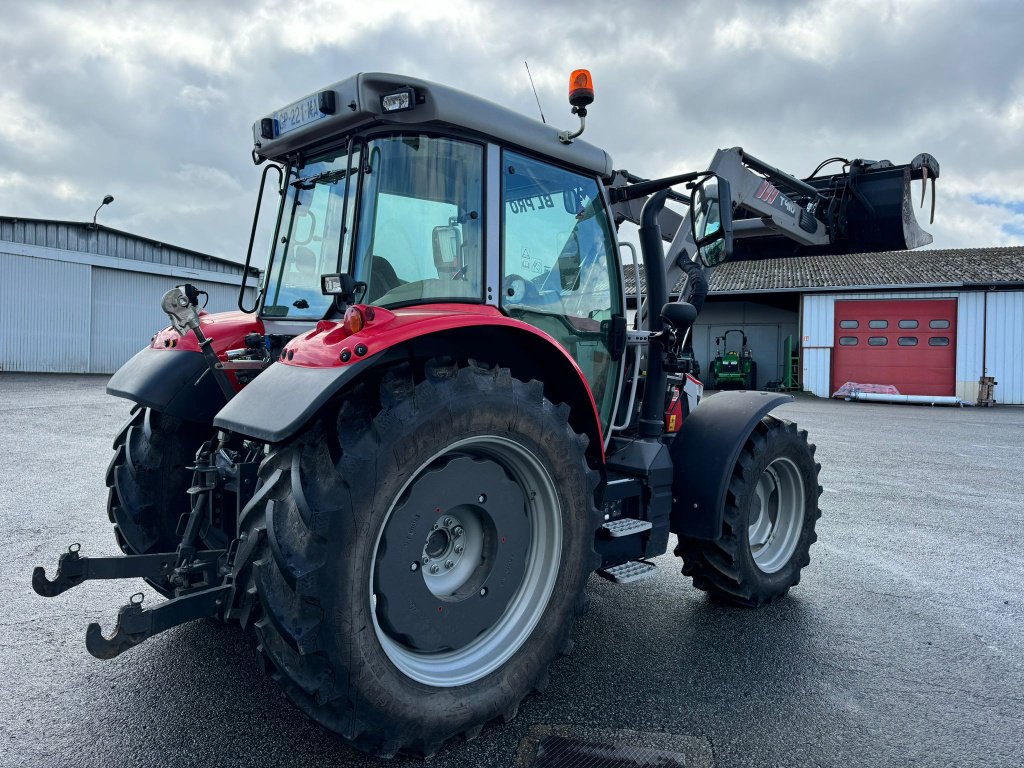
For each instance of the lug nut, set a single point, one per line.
(435, 527)
(435, 568)
(447, 522)
(449, 564)
(425, 559)
(458, 549)
(457, 531)
(415, 566)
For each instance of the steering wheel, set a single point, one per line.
(517, 290)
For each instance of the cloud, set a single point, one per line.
(154, 102)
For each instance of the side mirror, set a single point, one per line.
(446, 243)
(711, 220)
(569, 264)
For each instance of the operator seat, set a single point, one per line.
(382, 278)
(304, 266)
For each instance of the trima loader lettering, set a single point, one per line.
(400, 467)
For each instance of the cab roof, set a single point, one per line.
(357, 104)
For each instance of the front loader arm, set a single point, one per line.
(867, 207)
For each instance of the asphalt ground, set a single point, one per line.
(903, 644)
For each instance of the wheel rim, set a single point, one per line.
(776, 515)
(460, 615)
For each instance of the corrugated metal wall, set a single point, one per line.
(818, 313)
(1005, 339)
(1004, 347)
(44, 315)
(970, 319)
(60, 316)
(126, 313)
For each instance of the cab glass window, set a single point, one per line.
(420, 221)
(559, 271)
(311, 237)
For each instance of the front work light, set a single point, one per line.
(343, 287)
(398, 101)
(331, 285)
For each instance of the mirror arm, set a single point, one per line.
(645, 188)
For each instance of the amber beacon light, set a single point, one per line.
(581, 88)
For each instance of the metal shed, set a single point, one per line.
(979, 292)
(79, 298)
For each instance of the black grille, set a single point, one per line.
(563, 752)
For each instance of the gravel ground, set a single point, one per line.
(902, 645)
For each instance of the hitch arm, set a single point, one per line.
(135, 624)
(73, 569)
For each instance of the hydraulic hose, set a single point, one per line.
(697, 284)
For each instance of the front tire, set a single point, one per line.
(425, 555)
(148, 482)
(768, 525)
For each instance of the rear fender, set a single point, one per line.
(317, 366)
(704, 454)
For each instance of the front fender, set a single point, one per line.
(171, 375)
(704, 453)
(318, 365)
(170, 381)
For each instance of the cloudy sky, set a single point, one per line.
(153, 102)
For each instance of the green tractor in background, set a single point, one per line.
(733, 370)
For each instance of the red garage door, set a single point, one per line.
(908, 343)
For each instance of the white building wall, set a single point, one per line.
(1004, 347)
(970, 329)
(44, 315)
(61, 315)
(125, 312)
(818, 326)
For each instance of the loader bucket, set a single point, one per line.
(867, 208)
(878, 206)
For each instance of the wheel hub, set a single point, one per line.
(452, 554)
(776, 515)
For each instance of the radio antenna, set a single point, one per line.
(539, 107)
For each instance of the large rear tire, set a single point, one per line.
(768, 526)
(147, 482)
(424, 556)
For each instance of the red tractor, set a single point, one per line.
(401, 466)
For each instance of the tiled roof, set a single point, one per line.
(959, 267)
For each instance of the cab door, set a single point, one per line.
(559, 268)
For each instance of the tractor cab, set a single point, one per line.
(443, 204)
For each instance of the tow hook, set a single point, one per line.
(72, 570)
(136, 624)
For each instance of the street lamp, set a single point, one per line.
(107, 200)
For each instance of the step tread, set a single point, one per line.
(626, 526)
(625, 573)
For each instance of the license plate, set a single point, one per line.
(297, 115)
